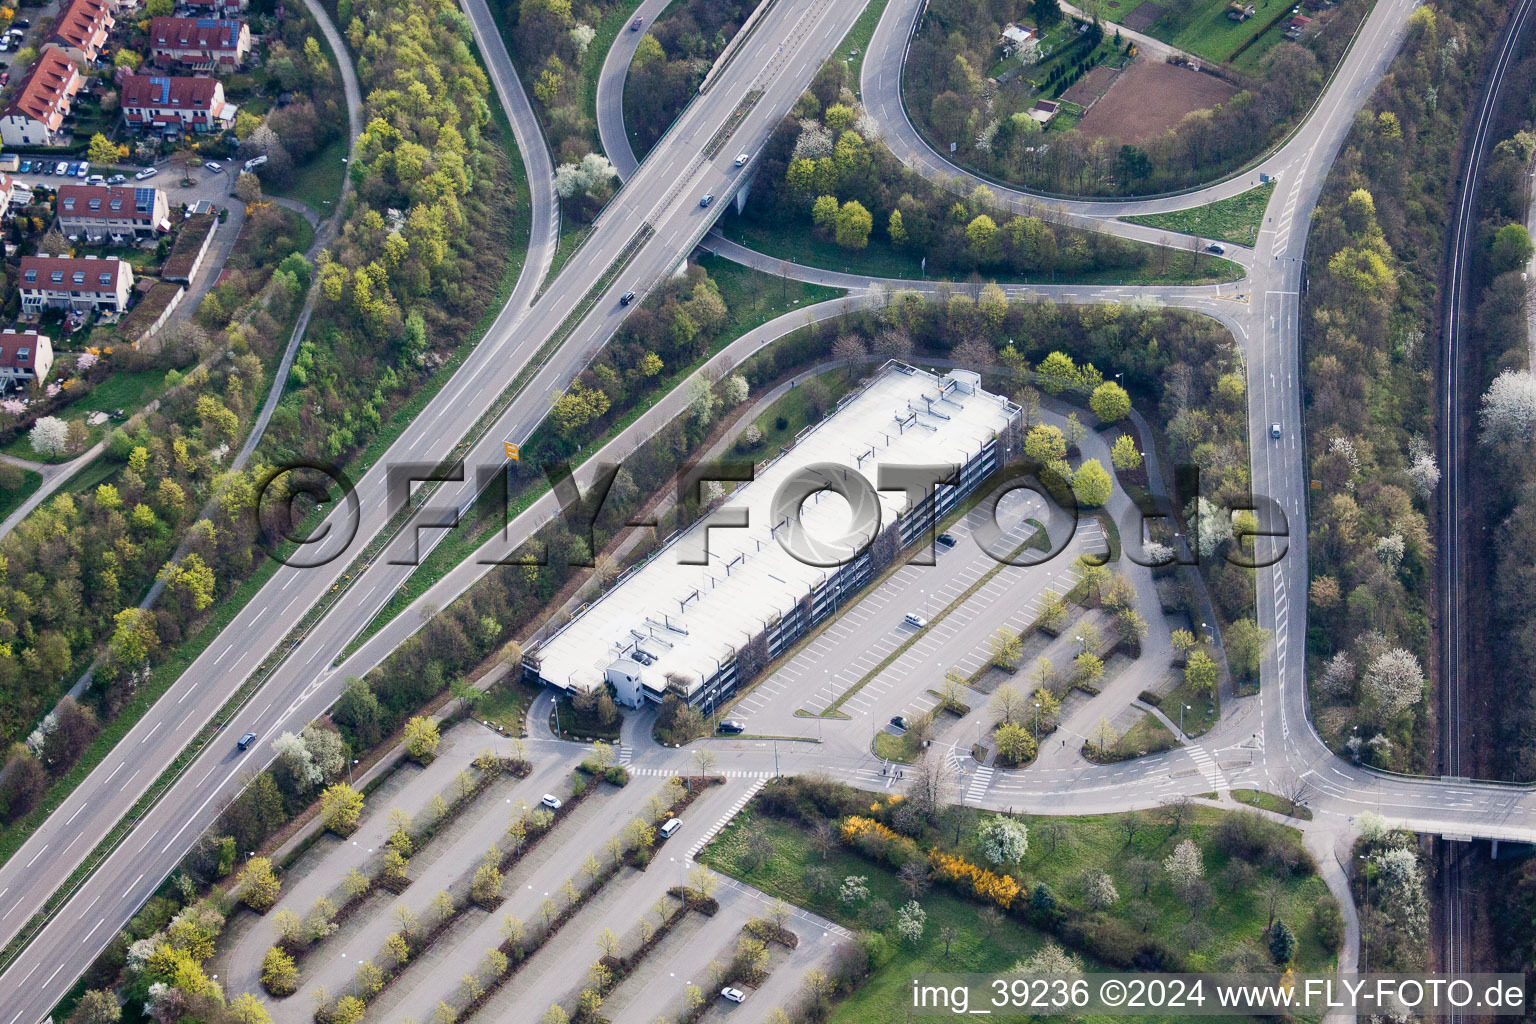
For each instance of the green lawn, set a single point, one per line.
(892, 747)
(1235, 916)
(126, 391)
(1206, 31)
(506, 704)
(1234, 220)
(881, 259)
(318, 182)
(1271, 802)
(1147, 736)
(11, 498)
(1203, 712)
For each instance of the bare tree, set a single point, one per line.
(914, 879)
(1176, 813)
(1296, 791)
(932, 778)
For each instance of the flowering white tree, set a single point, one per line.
(1002, 840)
(296, 758)
(855, 889)
(910, 920)
(1339, 674)
(1212, 524)
(594, 172)
(582, 36)
(50, 436)
(736, 389)
(86, 361)
(1423, 470)
(1508, 414)
(815, 141)
(1099, 890)
(1395, 681)
(1390, 550)
(1184, 866)
(1050, 959)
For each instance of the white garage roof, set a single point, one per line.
(693, 617)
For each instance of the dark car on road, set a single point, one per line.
(246, 741)
(947, 540)
(732, 726)
(899, 722)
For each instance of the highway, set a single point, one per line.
(779, 59)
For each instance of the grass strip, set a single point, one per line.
(1235, 219)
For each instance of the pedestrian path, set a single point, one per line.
(727, 816)
(981, 781)
(626, 754)
(1208, 767)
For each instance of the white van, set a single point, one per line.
(671, 827)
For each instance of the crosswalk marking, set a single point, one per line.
(1208, 767)
(727, 816)
(979, 784)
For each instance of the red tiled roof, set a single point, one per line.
(83, 25)
(12, 344)
(195, 33)
(159, 92)
(43, 268)
(45, 89)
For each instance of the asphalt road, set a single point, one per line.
(778, 60)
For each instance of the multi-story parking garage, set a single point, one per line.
(720, 600)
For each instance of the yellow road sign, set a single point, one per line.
(511, 450)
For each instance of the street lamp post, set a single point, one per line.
(1037, 726)
(1182, 708)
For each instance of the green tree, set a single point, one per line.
(1015, 743)
(1045, 443)
(1045, 12)
(101, 150)
(1124, 453)
(258, 885)
(1092, 484)
(1057, 372)
(1200, 672)
(421, 738)
(1282, 943)
(341, 806)
(279, 976)
(1109, 402)
(1245, 643)
(981, 234)
(853, 225)
(897, 230)
(824, 213)
(1510, 249)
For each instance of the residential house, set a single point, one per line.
(81, 285)
(172, 105)
(216, 8)
(24, 356)
(1045, 111)
(82, 30)
(37, 109)
(1018, 38)
(7, 194)
(118, 213)
(1296, 26)
(201, 44)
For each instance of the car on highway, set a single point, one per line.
(148, 172)
(947, 540)
(214, 166)
(709, 198)
(732, 726)
(899, 722)
(1215, 250)
(670, 828)
(741, 159)
(626, 298)
(735, 995)
(1275, 431)
(245, 741)
(634, 26)
(915, 620)
(551, 801)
